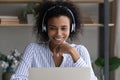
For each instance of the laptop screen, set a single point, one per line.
(59, 74)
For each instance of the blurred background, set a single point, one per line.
(18, 36)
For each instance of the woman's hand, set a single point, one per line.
(66, 48)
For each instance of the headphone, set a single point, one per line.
(73, 19)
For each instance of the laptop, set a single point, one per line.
(59, 74)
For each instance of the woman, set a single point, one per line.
(55, 24)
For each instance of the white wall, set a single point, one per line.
(15, 38)
(90, 34)
(117, 39)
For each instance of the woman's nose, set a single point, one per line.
(59, 32)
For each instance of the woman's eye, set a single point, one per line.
(52, 28)
(64, 28)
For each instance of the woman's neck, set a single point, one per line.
(52, 46)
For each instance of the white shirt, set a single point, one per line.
(39, 55)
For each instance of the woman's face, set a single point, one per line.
(58, 29)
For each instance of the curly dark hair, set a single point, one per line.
(41, 11)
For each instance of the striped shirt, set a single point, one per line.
(39, 55)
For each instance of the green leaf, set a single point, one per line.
(100, 62)
(3, 57)
(114, 63)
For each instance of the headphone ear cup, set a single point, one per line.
(43, 28)
(73, 28)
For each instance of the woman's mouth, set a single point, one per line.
(58, 40)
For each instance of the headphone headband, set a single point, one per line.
(59, 6)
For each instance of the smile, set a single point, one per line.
(58, 38)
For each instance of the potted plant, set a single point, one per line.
(29, 12)
(114, 63)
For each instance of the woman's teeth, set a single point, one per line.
(58, 38)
